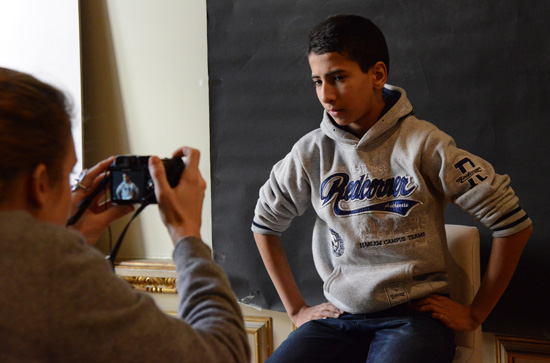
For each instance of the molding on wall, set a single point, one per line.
(516, 350)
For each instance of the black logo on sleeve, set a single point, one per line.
(470, 172)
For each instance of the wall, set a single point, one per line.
(145, 91)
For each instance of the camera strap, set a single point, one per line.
(85, 203)
(111, 257)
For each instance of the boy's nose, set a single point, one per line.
(326, 93)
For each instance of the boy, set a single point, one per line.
(378, 179)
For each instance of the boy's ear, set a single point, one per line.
(37, 186)
(380, 75)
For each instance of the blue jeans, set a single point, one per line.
(397, 335)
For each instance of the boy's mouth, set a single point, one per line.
(335, 112)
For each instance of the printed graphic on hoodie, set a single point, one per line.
(366, 195)
(337, 243)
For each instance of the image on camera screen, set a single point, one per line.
(127, 186)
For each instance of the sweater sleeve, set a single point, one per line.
(99, 317)
(285, 195)
(207, 303)
(471, 183)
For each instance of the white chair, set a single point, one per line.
(464, 274)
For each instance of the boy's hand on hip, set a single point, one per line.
(322, 311)
(454, 315)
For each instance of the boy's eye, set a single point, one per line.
(317, 82)
(339, 78)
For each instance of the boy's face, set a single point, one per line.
(352, 98)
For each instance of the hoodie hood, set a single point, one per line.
(401, 109)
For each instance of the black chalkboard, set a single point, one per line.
(479, 70)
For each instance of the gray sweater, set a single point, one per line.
(61, 302)
(379, 238)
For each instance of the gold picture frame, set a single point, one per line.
(260, 336)
(521, 350)
(159, 277)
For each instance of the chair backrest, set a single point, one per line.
(464, 275)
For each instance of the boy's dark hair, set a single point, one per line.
(356, 37)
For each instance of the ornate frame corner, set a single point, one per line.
(260, 333)
(513, 349)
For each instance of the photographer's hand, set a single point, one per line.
(100, 213)
(180, 207)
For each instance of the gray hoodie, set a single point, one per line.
(379, 238)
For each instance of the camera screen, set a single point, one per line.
(128, 186)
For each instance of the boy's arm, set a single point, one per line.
(503, 260)
(276, 263)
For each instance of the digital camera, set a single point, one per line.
(131, 182)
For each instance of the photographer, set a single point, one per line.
(60, 300)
